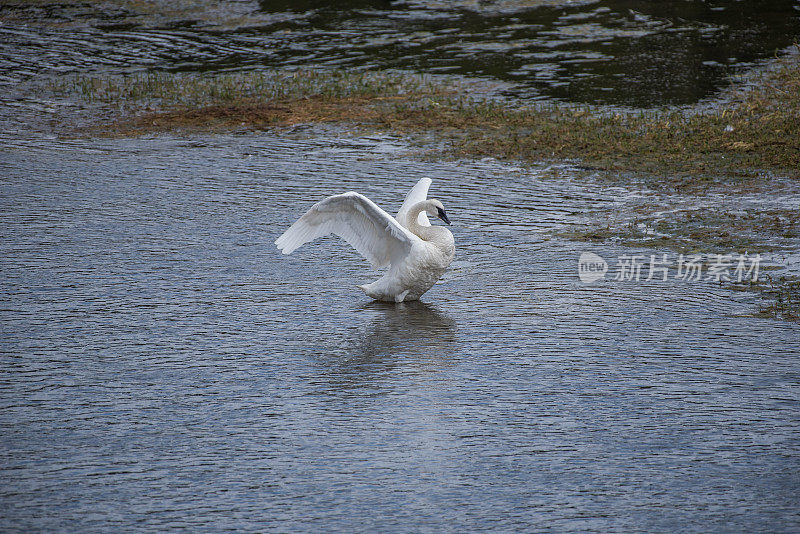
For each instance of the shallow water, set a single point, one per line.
(163, 366)
(643, 54)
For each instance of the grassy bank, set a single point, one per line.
(182, 92)
(154, 102)
(756, 132)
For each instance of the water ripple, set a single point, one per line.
(596, 52)
(164, 367)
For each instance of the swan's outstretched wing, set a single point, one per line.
(357, 220)
(418, 193)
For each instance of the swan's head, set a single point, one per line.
(435, 209)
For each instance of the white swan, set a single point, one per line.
(415, 252)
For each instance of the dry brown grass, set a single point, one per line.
(757, 131)
(252, 115)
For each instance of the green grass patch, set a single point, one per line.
(782, 296)
(756, 132)
(701, 230)
(175, 91)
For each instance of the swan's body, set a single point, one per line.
(415, 252)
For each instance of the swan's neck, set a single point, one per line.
(426, 233)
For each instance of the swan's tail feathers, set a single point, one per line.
(369, 291)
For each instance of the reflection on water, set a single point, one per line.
(413, 328)
(609, 51)
(390, 340)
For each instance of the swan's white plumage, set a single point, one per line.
(417, 194)
(356, 219)
(415, 252)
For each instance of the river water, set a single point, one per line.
(643, 54)
(164, 367)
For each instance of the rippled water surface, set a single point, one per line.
(608, 51)
(163, 366)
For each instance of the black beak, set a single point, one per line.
(442, 215)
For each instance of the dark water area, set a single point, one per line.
(640, 54)
(164, 367)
